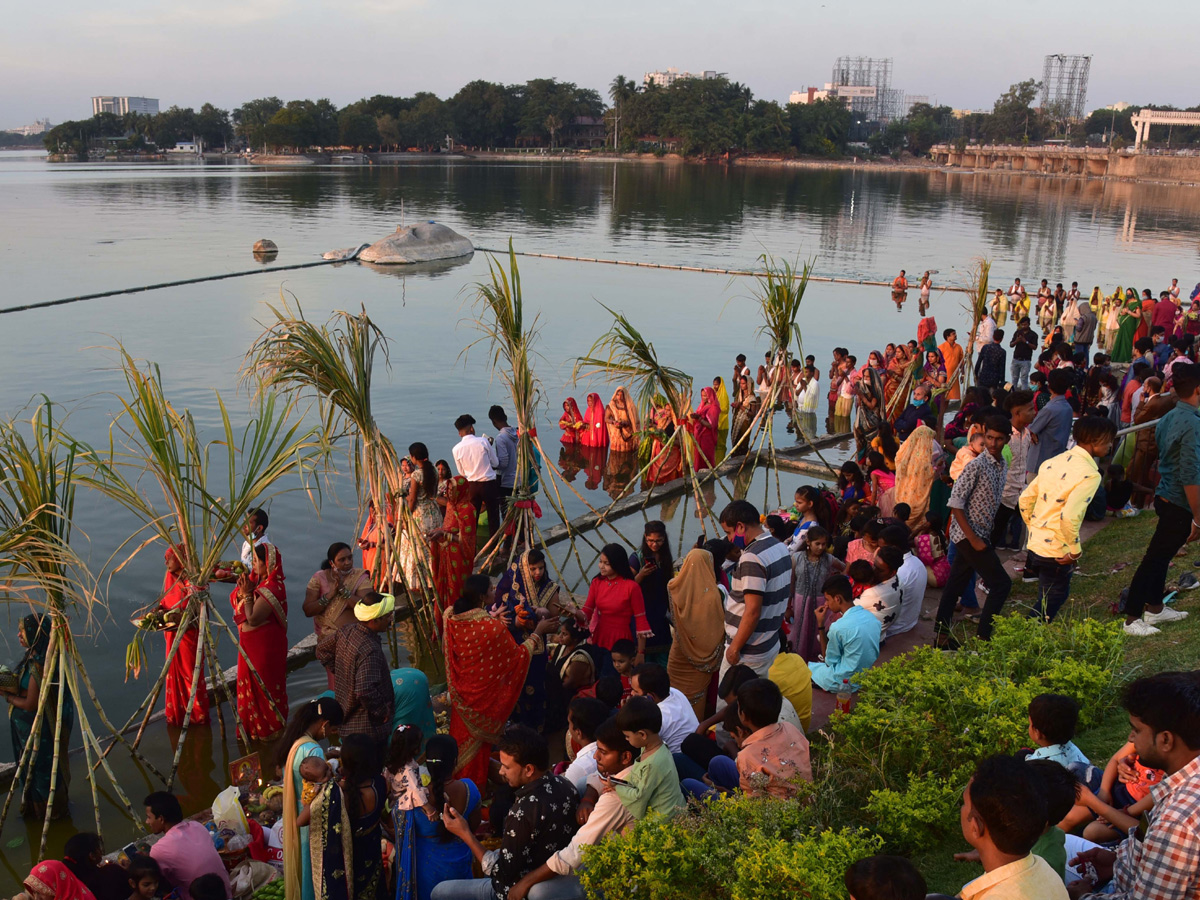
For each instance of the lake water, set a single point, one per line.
(72, 229)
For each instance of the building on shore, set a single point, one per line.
(39, 126)
(672, 75)
(146, 106)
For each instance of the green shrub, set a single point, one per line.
(919, 816)
(811, 867)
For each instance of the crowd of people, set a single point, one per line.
(680, 679)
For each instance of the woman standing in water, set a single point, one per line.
(34, 634)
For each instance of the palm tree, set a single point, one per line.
(553, 124)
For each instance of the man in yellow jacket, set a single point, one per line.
(1053, 505)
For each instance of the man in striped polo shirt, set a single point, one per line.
(760, 590)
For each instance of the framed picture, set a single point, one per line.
(246, 772)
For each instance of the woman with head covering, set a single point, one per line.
(485, 674)
(454, 543)
(703, 425)
(898, 382)
(34, 634)
(308, 726)
(927, 334)
(1129, 319)
(260, 612)
(52, 880)
(595, 432)
(621, 419)
(571, 422)
(177, 593)
(723, 402)
(698, 608)
(524, 595)
(745, 408)
(869, 390)
(915, 473)
(666, 464)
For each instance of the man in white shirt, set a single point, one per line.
(602, 813)
(255, 531)
(678, 718)
(985, 331)
(476, 460)
(883, 599)
(584, 716)
(911, 575)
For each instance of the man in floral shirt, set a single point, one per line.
(540, 823)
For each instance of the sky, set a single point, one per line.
(964, 54)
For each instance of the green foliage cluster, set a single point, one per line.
(735, 847)
(923, 720)
(211, 125)
(889, 775)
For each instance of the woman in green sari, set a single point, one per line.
(1129, 317)
(23, 702)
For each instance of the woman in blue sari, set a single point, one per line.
(524, 594)
(346, 834)
(427, 854)
(34, 633)
(301, 739)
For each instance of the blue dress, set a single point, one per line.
(438, 861)
(306, 880)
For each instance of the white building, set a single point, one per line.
(1119, 106)
(839, 91)
(40, 126)
(672, 75)
(146, 106)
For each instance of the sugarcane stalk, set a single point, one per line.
(31, 746)
(195, 684)
(58, 741)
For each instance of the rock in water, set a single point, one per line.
(265, 246)
(418, 243)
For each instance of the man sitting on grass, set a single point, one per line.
(1003, 814)
(1164, 715)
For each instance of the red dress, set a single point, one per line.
(612, 603)
(267, 648)
(704, 429)
(571, 422)
(176, 590)
(454, 552)
(596, 432)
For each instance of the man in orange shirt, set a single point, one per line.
(901, 282)
(952, 355)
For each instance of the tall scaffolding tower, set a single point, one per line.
(864, 72)
(1064, 86)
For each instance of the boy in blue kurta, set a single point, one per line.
(850, 644)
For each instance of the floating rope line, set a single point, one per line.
(327, 262)
(707, 270)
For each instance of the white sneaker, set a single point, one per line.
(1138, 628)
(1167, 615)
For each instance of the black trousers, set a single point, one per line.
(487, 493)
(1004, 517)
(1150, 580)
(1054, 584)
(989, 568)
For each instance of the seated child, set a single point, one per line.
(1062, 789)
(653, 784)
(1052, 721)
(774, 752)
(901, 513)
(862, 577)
(930, 546)
(717, 773)
(144, 877)
(1123, 796)
(867, 543)
(623, 653)
(208, 887)
(884, 878)
(972, 449)
(404, 774)
(851, 644)
(882, 595)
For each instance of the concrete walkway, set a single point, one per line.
(823, 702)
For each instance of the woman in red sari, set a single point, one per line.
(669, 465)
(177, 591)
(453, 544)
(595, 432)
(571, 422)
(260, 612)
(704, 428)
(485, 674)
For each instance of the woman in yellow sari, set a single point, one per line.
(621, 417)
(723, 402)
(915, 473)
(697, 605)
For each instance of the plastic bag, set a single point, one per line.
(227, 813)
(247, 877)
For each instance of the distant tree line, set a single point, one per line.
(694, 116)
(12, 140)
